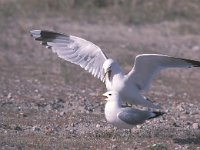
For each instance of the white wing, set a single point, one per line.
(73, 49)
(148, 65)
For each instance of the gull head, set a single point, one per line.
(108, 63)
(111, 95)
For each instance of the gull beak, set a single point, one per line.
(104, 77)
(105, 96)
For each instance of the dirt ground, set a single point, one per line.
(48, 103)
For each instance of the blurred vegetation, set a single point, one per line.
(127, 11)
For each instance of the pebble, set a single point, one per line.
(62, 113)
(114, 147)
(98, 125)
(175, 124)
(138, 126)
(180, 107)
(195, 125)
(35, 128)
(159, 146)
(9, 96)
(57, 106)
(18, 128)
(72, 124)
(19, 108)
(72, 131)
(22, 114)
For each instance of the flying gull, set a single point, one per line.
(127, 117)
(90, 57)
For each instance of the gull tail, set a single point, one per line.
(156, 114)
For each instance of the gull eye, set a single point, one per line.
(109, 94)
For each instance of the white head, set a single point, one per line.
(113, 97)
(108, 64)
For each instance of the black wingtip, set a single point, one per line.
(41, 35)
(194, 63)
(157, 114)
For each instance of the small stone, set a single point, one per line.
(158, 146)
(87, 124)
(35, 128)
(22, 114)
(176, 124)
(48, 130)
(188, 123)
(114, 147)
(72, 131)
(195, 125)
(19, 108)
(180, 107)
(72, 124)
(62, 113)
(98, 125)
(187, 112)
(9, 96)
(138, 126)
(18, 128)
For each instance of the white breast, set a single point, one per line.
(110, 112)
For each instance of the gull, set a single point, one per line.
(90, 57)
(125, 117)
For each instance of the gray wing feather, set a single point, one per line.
(146, 66)
(73, 49)
(133, 116)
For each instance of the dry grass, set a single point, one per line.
(127, 11)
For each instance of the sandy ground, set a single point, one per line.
(47, 103)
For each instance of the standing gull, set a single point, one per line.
(127, 117)
(90, 57)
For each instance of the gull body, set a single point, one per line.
(145, 68)
(90, 57)
(125, 117)
(116, 80)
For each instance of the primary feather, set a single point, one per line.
(73, 49)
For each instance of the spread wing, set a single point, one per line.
(148, 65)
(73, 49)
